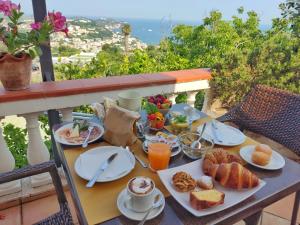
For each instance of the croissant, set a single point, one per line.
(226, 169)
(218, 156)
(233, 175)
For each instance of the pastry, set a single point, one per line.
(206, 199)
(226, 169)
(217, 156)
(205, 182)
(183, 182)
(233, 175)
(260, 158)
(264, 148)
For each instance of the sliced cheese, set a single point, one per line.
(75, 131)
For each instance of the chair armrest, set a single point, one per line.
(27, 171)
(227, 117)
(35, 170)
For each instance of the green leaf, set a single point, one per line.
(32, 53)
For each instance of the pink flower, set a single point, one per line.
(58, 21)
(36, 26)
(7, 6)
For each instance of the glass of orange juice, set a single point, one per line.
(159, 156)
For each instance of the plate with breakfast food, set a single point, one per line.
(262, 156)
(211, 184)
(75, 133)
(161, 137)
(222, 134)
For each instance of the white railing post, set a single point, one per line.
(7, 164)
(37, 151)
(172, 97)
(191, 98)
(67, 114)
(207, 101)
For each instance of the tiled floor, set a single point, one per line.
(29, 213)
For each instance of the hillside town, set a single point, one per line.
(88, 36)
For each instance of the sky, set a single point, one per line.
(184, 10)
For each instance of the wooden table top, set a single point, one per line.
(279, 184)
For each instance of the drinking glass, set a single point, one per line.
(159, 156)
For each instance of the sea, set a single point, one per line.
(151, 31)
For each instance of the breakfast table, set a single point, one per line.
(98, 205)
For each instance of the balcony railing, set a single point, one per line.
(65, 95)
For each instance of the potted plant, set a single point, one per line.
(19, 47)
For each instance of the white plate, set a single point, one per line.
(276, 161)
(70, 125)
(135, 215)
(229, 135)
(232, 196)
(88, 162)
(173, 153)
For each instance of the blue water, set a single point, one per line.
(152, 31)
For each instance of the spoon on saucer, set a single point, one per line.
(157, 202)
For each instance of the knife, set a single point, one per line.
(100, 170)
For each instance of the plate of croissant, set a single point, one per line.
(211, 184)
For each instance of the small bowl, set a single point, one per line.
(187, 139)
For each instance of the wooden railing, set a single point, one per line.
(65, 95)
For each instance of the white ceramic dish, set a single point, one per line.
(276, 161)
(135, 215)
(174, 152)
(232, 196)
(227, 135)
(70, 125)
(88, 162)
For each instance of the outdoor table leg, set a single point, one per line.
(295, 208)
(253, 219)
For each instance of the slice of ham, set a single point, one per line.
(65, 134)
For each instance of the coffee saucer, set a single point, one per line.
(130, 214)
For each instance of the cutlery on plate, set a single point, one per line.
(214, 130)
(86, 140)
(143, 164)
(101, 169)
(157, 202)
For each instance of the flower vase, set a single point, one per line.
(15, 72)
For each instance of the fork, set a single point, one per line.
(85, 143)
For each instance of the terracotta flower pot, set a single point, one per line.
(15, 72)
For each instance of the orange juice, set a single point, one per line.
(159, 156)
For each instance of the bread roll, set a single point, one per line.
(260, 158)
(263, 148)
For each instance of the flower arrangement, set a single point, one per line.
(18, 42)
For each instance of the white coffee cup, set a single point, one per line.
(140, 202)
(130, 100)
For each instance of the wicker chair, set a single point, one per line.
(270, 112)
(63, 217)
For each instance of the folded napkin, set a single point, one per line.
(119, 126)
(89, 163)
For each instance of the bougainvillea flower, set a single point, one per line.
(7, 6)
(36, 26)
(58, 21)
